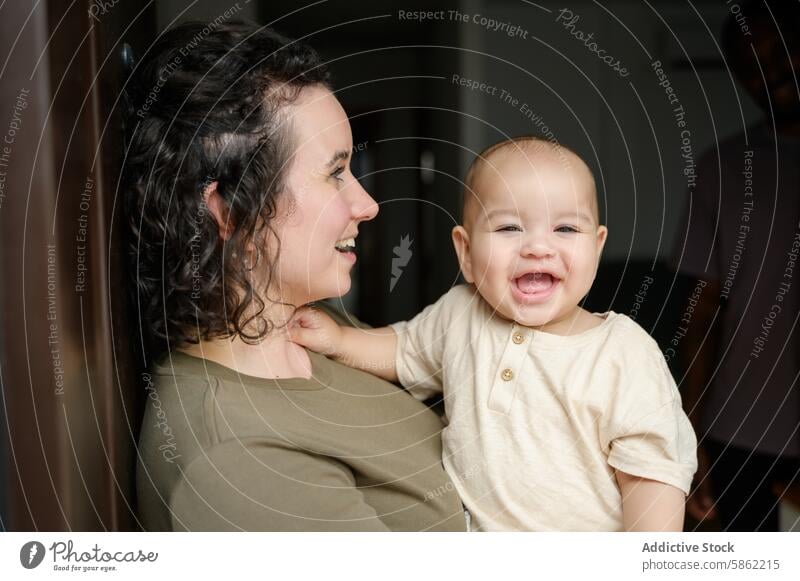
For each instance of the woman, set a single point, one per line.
(242, 207)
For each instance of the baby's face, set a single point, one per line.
(531, 244)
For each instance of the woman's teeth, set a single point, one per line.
(346, 245)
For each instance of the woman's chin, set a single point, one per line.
(334, 282)
(341, 286)
(330, 287)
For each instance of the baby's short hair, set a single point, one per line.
(530, 146)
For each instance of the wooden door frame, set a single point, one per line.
(69, 384)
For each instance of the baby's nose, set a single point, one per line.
(536, 247)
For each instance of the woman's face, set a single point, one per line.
(322, 204)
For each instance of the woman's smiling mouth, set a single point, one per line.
(346, 247)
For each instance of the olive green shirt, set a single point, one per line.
(340, 451)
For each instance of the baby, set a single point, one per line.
(557, 418)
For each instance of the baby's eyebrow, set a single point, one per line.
(581, 216)
(501, 212)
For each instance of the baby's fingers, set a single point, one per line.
(301, 336)
(305, 317)
(306, 329)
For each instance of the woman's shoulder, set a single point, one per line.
(213, 403)
(179, 387)
(177, 398)
(351, 424)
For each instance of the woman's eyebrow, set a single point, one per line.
(338, 156)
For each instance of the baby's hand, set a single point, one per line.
(315, 330)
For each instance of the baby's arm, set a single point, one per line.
(649, 505)
(371, 350)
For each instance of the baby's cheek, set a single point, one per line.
(496, 273)
(583, 274)
(481, 263)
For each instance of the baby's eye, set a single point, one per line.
(566, 229)
(337, 173)
(509, 228)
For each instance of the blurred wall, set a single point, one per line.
(623, 126)
(497, 69)
(171, 12)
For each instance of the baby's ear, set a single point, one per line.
(461, 243)
(602, 235)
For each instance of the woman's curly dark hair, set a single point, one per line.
(204, 105)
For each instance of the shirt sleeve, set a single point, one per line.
(647, 432)
(420, 349)
(696, 249)
(260, 485)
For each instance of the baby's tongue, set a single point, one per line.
(535, 282)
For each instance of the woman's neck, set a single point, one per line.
(274, 357)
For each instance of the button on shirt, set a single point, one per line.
(538, 423)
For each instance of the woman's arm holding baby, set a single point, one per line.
(649, 505)
(371, 350)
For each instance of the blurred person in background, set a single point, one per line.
(740, 240)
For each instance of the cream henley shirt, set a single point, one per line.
(538, 423)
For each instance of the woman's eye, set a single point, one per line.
(509, 228)
(566, 229)
(337, 173)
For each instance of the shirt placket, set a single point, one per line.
(509, 372)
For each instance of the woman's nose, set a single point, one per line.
(362, 206)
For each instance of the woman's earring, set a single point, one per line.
(255, 262)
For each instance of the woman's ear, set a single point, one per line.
(219, 209)
(461, 243)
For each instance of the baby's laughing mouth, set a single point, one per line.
(534, 287)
